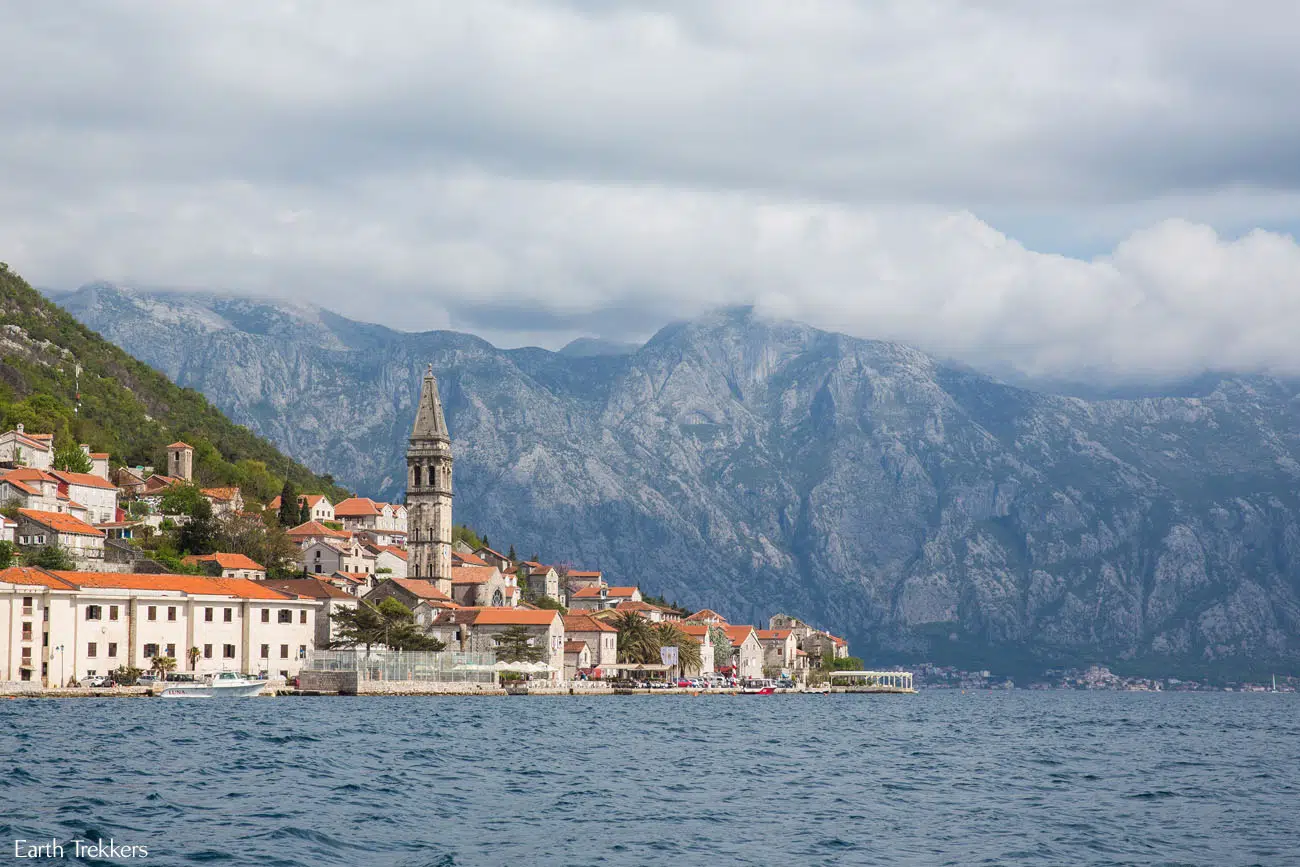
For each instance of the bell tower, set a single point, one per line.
(428, 490)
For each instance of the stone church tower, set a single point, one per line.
(428, 490)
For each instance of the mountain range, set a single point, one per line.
(924, 510)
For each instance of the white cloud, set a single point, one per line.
(532, 171)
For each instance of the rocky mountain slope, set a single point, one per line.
(923, 510)
(60, 377)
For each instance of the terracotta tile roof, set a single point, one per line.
(61, 522)
(623, 591)
(357, 507)
(315, 528)
(514, 617)
(31, 577)
(587, 593)
(33, 441)
(473, 574)
(468, 559)
(695, 630)
(226, 561)
(773, 634)
(574, 573)
(98, 456)
(392, 549)
(193, 585)
(27, 474)
(311, 499)
(220, 493)
(707, 614)
(354, 577)
(585, 623)
(85, 480)
(737, 634)
(180, 445)
(496, 554)
(636, 606)
(22, 486)
(421, 588)
(312, 588)
(575, 646)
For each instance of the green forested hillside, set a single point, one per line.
(126, 407)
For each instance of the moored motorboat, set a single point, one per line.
(225, 684)
(758, 687)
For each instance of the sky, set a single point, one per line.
(1103, 191)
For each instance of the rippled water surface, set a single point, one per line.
(936, 778)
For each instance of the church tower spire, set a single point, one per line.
(428, 490)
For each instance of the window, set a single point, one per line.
(266, 651)
(150, 651)
(112, 650)
(228, 651)
(302, 616)
(94, 612)
(229, 615)
(317, 568)
(112, 612)
(302, 651)
(207, 651)
(45, 639)
(25, 674)
(207, 615)
(284, 674)
(90, 672)
(27, 656)
(285, 616)
(153, 612)
(27, 605)
(171, 612)
(417, 476)
(92, 650)
(266, 615)
(284, 651)
(171, 651)
(27, 630)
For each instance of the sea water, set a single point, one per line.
(941, 777)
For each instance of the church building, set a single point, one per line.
(428, 491)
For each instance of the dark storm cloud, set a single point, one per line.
(537, 170)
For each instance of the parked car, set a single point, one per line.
(146, 680)
(98, 681)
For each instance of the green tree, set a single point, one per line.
(689, 654)
(50, 557)
(69, 457)
(182, 499)
(6, 554)
(462, 533)
(721, 647)
(193, 653)
(126, 675)
(288, 505)
(511, 555)
(198, 535)
(515, 644)
(162, 665)
(637, 639)
(255, 480)
(304, 513)
(550, 604)
(389, 624)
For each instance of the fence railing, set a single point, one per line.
(389, 665)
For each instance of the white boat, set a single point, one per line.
(225, 684)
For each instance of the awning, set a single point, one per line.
(640, 666)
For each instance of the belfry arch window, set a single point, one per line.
(416, 477)
(497, 599)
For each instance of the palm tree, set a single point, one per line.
(638, 641)
(689, 655)
(193, 654)
(162, 665)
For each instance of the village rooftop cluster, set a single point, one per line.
(82, 599)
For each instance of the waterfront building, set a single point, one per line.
(601, 638)
(61, 626)
(476, 629)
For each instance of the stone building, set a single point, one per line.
(180, 461)
(428, 491)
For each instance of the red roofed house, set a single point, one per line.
(319, 507)
(577, 658)
(389, 557)
(818, 644)
(701, 632)
(82, 542)
(97, 494)
(408, 591)
(780, 650)
(329, 597)
(543, 580)
(314, 531)
(601, 597)
(21, 449)
(337, 555)
(71, 625)
(474, 586)
(600, 637)
(224, 501)
(746, 651)
(576, 579)
(228, 566)
(363, 513)
(494, 558)
(475, 630)
(31, 489)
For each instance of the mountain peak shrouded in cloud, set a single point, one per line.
(1103, 193)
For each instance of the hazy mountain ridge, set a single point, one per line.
(754, 465)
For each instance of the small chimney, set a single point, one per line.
(19, 427)
(85, 449)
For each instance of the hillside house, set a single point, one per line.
(337, 555)
(226, 565)
(82, 542)
(224, 501)
(21, 449)
(318, 507)
(483, 586)
(746, 651)
(98, 495)
(313, 531)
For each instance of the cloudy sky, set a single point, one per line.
(1087, 190)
